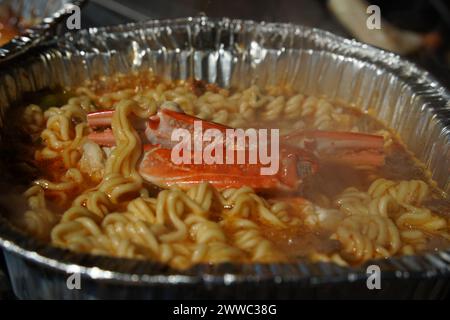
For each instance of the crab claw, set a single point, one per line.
(157, 167)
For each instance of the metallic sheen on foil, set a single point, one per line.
(235, 53)
(48, 14)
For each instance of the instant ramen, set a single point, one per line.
(97, 177)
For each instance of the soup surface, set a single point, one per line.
(92, 197)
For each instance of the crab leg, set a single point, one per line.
(104, 138)
(297, 156)
(100, 119)
(345, 147)
(158, 129)
(352, 148)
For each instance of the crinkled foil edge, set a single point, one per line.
(95, 42)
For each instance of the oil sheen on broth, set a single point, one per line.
(342, 214)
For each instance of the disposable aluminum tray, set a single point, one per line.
(46, 16)
(234, 53)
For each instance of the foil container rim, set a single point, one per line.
(104, 268)
(37, 33)
(390, 60)
(147, 272)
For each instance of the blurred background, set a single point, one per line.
(417, 29)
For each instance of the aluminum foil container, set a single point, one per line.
(234, 53)
(45, 17)
(4, 285)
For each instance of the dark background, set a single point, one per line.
(417, 15)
